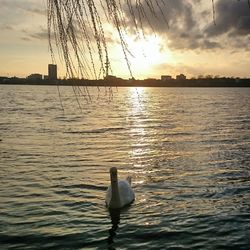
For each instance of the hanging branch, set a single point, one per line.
(213, 12)
(76, 29)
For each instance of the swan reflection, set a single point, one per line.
(115, 220)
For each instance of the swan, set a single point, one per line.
(119, 193)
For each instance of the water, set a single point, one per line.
(187, 151)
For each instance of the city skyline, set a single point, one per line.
(192, 44)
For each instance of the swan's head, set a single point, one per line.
(113, 174)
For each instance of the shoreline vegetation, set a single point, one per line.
(118, 82)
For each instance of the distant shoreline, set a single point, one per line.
(117, 82)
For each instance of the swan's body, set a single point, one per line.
(119, 193)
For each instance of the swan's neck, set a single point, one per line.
(115, 198)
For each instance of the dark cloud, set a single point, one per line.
(207, 44)
(189, 26)
(232, 18)
(182, 28)
(177, 14)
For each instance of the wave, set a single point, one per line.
(95, 131)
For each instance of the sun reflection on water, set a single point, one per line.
(137, 128)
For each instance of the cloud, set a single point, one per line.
(23, 19)
(18, 13)
(27, 5)
(232, 18)
(173, 70)
(42, 35)
(36, 10)
(190, 26)
(177, 14)
(7, 27)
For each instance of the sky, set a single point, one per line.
(188, 42)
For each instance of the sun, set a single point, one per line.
(144, 55)
(147, 52)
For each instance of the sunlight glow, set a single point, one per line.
(147, 52)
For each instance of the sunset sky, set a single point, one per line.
(192, 44)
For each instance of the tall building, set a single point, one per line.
(52, 72)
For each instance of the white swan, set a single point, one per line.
(119, 193)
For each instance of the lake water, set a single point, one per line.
(187, 150)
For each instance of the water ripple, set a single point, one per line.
(187, 151)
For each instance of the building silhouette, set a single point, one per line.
(35, 76)
(52, 72)
(181, 77)
(166, 77)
